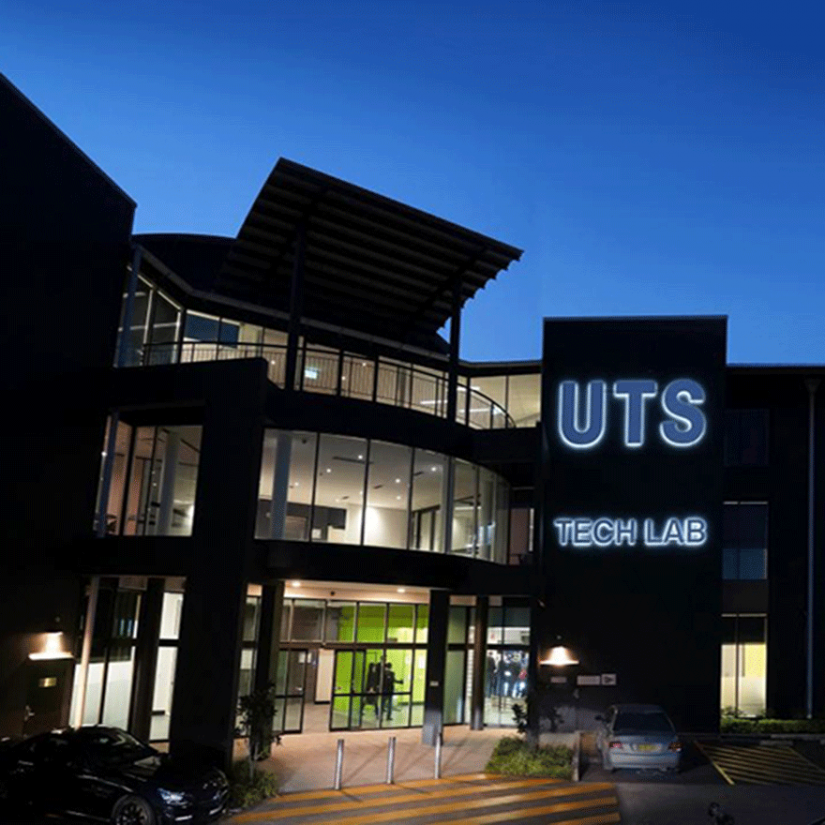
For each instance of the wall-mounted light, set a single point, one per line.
(52, 644)
(560, 656)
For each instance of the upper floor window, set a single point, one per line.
(152, 481)
(746, 438)
(342, 490)
(745, 540)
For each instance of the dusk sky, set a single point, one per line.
(649, 157)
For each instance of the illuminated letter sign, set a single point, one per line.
(582, 424)
(606, 532)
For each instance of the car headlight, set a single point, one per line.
(174, 798)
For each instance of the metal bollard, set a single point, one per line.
(390, 760)
(339, 765)
(439, 740)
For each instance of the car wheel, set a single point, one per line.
(132, 810)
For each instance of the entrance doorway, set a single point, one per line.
(377, 688)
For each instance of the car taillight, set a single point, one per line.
(675, 746)
(617, 745)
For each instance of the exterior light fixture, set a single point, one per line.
(52, 644)
(560, 656)
(295, 584)
(402, 589)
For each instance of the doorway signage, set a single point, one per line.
(582, 411)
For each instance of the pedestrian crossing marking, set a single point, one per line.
(533, 797)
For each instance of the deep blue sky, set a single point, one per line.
(649, 157)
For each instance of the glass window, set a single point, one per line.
(745, 541)
(307, 620)
(487, 513)
(744, 665)
(285, 489)
(162, 697)
(401, 623)
(250, 619)
(371, 620)
(388, 493)
(125, 611)
(524, 399)
(358, 376)
(118, 482)
(140, 315)
(163, 334)
(319, 372)
(170, 615)
(275, 353)
(200, 336)
(422, 623)
(464, 508)
(340, 622)
(746, 438)
(426, 523)
(118, 694)
(339, 490)
(164, 481)
(457, 626)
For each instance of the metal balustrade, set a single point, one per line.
(337, 372)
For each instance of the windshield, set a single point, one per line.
(112, 747)
(642, 723)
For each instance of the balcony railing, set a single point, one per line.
(331, 372)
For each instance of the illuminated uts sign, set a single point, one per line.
(582, 424)
(615, 532)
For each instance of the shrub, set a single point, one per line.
(245, 791)
(514, 757)
(766, 726)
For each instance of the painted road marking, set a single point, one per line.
(347, 805)
(762, 765)
(347, 809)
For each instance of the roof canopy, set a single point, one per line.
(370, 263)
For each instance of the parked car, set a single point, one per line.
(106, 774)
(638, 736)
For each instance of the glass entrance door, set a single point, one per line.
(372, 688)
(290, 690)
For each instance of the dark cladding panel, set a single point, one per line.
(632, 493)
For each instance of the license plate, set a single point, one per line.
(647, 748)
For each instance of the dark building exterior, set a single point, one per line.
(249, 460)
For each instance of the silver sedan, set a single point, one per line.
(638, 736)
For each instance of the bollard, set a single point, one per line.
(439, 740)
(390, 760)
(339, 765)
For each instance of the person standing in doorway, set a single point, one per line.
(388, 691)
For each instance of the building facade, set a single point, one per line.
(255, 460)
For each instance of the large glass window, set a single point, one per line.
(285, 491)
(427, 522)
(388, 494)
(338, 509)
(744, 665)
(745, 540)
(317, 493)
(465, 508)
(160, 499)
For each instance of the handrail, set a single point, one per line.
(331, 372)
